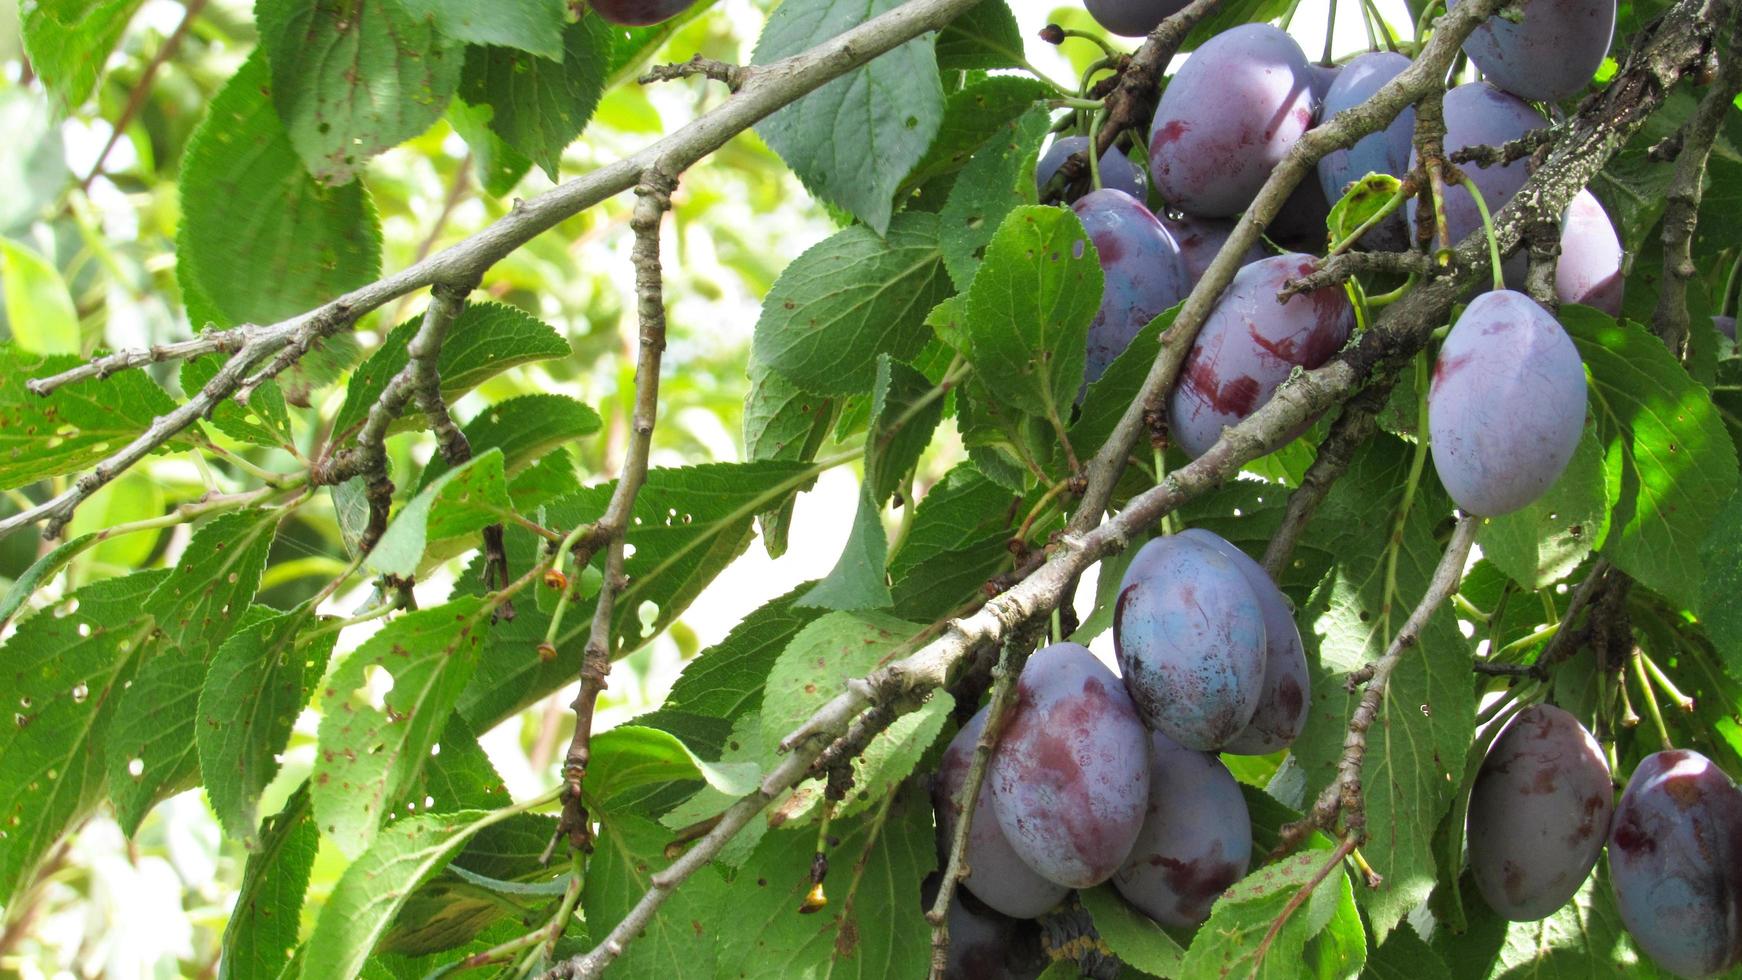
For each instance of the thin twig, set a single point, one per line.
(1349, 433)
(653, 200)
(1486, 155)
(1340, 268)
(732, 76)
(142, 88)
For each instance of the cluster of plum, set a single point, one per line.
(1095, 778)
(1507, 404)
(1542, 807)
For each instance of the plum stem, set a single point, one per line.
(1488, 230)
(1664, 684)
(1651, 708)
(1379, 23)
(1330, 32)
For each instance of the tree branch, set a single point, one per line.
(1356, 425)
(771, 87)
(653, 201)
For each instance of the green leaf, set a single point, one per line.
(974, 115)
(485, 340)
(999, 178)
(858, 580)
(253, 691)
(261, 240)
(350, 80)
(1405, 957)
(1669, 462)
(460, 501)
(853, 139)
(1108, 396)
(1720, 614)
(905, 408)
(1029, 310)
(498, 165)
(957, 541)
(39, 310)
(725, 680)
(526, 430)
(1131, 935)
(372, 890)
(1542, 544)
(848, 299)
(538, 106)
(368, 755)
(983, 37)
(530, 25)
(69, 42)
(682, 938)
(1364, 199)
(1407, 776)
(40, 572)
(264, 421)
(813, 669)
(62, 676)
(867, 930)
(1584, 938)
(743, 746)
(629, 756)
(260, 939)
(200, 603)
(149, 750)
(782, 421)
(1229, 943)
(76, 426)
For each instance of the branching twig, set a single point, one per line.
(732, 76)
(209, 341)
(279, 345)
(1486, 155)
(1343, 795)
(653, 200)
(1349, 433)
(1340, 268)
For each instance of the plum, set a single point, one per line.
(1189, 637)
(1225, 121)
(1199, 240)
(1384, 152)
(1550, 54)
(1300, 222)
(1142, 273)
(1250, 344)
(1132, 18)
(1478, 113)
(1589, 270)
(1196, 839)
(1117, 171)
(639, 13)
(1506, 405)
(1675, 862)
(1282, 700)
(1539, 813)
(1725, 325)
(1070, 777)
(996, 875)
(989, 946)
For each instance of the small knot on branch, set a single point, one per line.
(734, 77)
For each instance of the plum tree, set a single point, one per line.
(1287, 687)
(1250, 344)
(1384, 152)
(1196, 839)
(1477, 114)
(1506, 405)
(1549, 54)
(1230, 113)
(1142, 273)
(1189, 637)
(1199, 240)
(1675, 861)
(1539, 813)
(1117, 171)
(639, 13)
(1070, 776)
(996, 875)
(1132, 18)
(1589, 268)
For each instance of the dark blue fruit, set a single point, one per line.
(989, 946)
(1196, 839)
(1539, 814)
(639, 13)
(1199, 240)
(1675, 861)
(1384, 152)
(1506, 405)
(1282, 701)
(1117, 171)
(1250, 344)
(1189, 636)
(1478, 113)
(1550, 54)
(1070, 777)
(1589, 269)
(996, 875)
(1225, 121)
(1725, 325)
(1132, 18)
(1142, 274)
